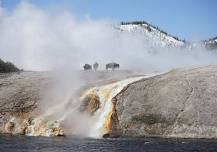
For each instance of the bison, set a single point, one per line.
(95, 66)
(112, 66)
(87, 67)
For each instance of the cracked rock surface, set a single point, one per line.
(180, 103)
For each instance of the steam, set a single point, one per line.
(36, 39)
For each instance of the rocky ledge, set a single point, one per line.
(180, 103)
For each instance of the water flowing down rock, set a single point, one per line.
(180, 103)
(23, 108)
(103, 114)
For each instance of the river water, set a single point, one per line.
(67, 144)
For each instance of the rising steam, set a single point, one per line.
(35, 39)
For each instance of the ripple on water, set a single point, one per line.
(66, 144)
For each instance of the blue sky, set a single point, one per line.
(187, 19)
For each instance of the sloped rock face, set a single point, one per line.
(181, 103)
(19, 98)
(20, 92)
(23, 108)
(90, 103)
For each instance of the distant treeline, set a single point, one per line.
(6, 67)
(149, 29)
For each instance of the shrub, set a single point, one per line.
(6, 67)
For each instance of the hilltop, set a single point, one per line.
(159, 38)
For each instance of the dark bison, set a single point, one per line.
(112, 66)
(95, 66)
(87, 67)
